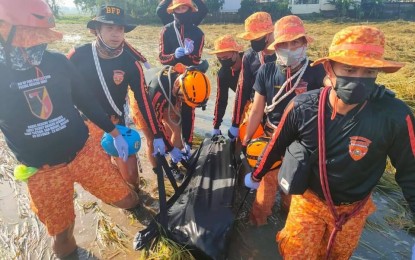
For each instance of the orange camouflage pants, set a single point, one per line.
(135, 112)
(266, 195)
(265, 198)
(51, 189)
(309, 225)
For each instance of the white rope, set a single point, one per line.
(102, 80)
(168, 97)
(277, 99)
(179, 38)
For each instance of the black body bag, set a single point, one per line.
(199, 214)
(295, 170)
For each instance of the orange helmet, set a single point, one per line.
(32, 13)
(195, 87)
(242, 131)
(254, 150)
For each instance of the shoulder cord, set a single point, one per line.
(277, 99)
(178, 36)
(168, 97)
(102, 80)
(261, 58)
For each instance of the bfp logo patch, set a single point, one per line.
(39, 102)
(358, 147)
(118, 77)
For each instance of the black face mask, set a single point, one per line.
(227, 63)
(259, 45)
(183, 18)
(354, 90)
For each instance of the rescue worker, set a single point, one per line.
(171, 88)
(229, 54)
(39, 90)
(259, 31)
(181, 41)
(355, 125)
(111, 67)
(195, 17)
(276, 84)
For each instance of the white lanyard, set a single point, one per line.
(102, 80)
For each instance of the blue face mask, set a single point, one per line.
(354, 90)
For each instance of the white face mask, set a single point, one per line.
(286, 57)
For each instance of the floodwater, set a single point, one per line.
(380, 240)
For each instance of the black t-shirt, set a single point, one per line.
(227, 79)
(38, 115)
(120, 73)
(357, 145)
(251, 62)
(270, 78)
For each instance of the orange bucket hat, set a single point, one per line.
(257, 25)
(177, 3)
(226, 43)
(361, 46)
(287, 29)
(29, 36)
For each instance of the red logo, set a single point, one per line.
(301, 88)
(39, 102)
(118, 76)
(358, 147)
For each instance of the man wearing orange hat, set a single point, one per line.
(353, 125)
(276, 84)
(40, 94)
(259, 31)
(181, 41)
(111, 68)
(229, 54)
(195, 17)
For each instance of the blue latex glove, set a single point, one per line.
(122, 147)
(179, 52)
(176, 155)
(233, 133)
(216, 132)
(159, 146)
(187, 151)
(251, 183)
(188, 46)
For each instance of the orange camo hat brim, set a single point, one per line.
(226, 43)
(287, 29)
(29, 36)
(257, 26)
(178, 3)
(361, 46)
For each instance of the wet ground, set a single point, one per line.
(23, 237)
(380, 240)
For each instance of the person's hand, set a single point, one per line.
(216, 132)
(159, 146)
(187, 151)
(250, 183)
(233, 133)
(122, 147)
(176, 155)
(179, 52)
(188, 46)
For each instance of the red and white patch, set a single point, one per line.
(39, 102)
(301, 88)
(118, 77)
(358, 147)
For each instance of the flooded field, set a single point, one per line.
(22, 236)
